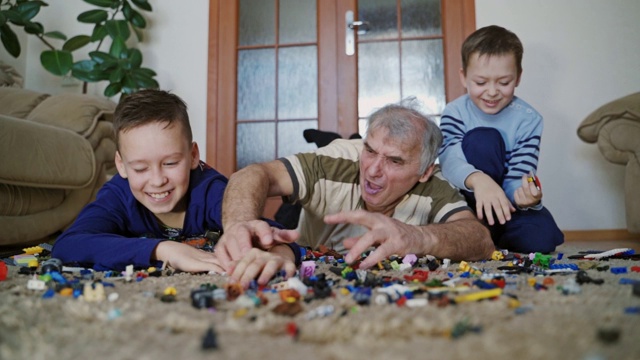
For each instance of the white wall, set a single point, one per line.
(579, 54)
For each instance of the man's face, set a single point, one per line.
(491, 81)
(388, 170)
(157, 162)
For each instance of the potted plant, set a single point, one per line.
(120, 65)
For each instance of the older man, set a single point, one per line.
(382, 191)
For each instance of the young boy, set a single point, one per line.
(492, 142)
(162, 201)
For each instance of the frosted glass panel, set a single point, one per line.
(256, 142)
(256, 84)
(257, 22)
(298, 83)
(423, 73)
(297, 21)
(290, 138)
(382, 16)
(421, 18)
(378, 76)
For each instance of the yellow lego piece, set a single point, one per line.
(497, 255)
(33, 250)
(478, 295)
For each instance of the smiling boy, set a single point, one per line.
(162, 201)
(492, 143)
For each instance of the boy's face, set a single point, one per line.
(491, 81)
(157, 161)
(388, 170)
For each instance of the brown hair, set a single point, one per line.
(148, 106)
(492, 40)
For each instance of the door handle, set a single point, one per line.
(361, 27)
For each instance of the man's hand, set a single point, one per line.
(489, 198)
(186, 258)
(528, 194)
(263, 263)
(390, 235)
(241, 237)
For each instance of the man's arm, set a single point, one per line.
(242, 208)
(462, 237)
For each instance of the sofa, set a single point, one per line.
(56, 151)
(615, 127)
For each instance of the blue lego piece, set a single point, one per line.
(564, 266)
(632, 310)
(627, 281)
(560, 255)
(619, 270)
(48, 294)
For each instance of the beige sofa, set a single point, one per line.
(615, 127)
(56, 151)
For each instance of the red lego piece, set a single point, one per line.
(418, 275)
(635, 269)
(3, 271)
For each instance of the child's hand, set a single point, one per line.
(528, 194)
(490, 198)
(263, 263)
(186, 258)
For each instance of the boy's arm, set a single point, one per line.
(452, 159)
(98, 236)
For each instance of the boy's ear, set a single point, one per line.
(120, 165)
(195, 155)
(518, 79)
(427, 174)
(463, 78)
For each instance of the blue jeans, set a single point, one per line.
(528, 230)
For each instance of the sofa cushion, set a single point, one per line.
(19, 102)
(25, 200)
(76, 112)
(627, 108)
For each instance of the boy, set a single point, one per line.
(162, 199)
(492, 142)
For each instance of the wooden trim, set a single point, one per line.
(600, 235)
(212, 84)
(327, 66)
(347, 74)
(457, 23)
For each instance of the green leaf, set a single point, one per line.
(102, 58)
(3, 19)
(84, 65)
(14, 17)
(146, 71)
(99, 33)
(142, 4)
(55, 35)
(139, 35)
(117, 47)
(57, 62)
(135, 58)
(10, 40)
(33, 28)
(93, 16)
(85, 71)
(118, 29)
(102, 3)
(113, 89)
(116, 75)
(143, 81)
(28, 10)
(138, 20)
(76, 42)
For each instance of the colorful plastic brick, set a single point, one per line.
(619, 270)
(3, 271)
(307, 269)
(479, 295)
(410, 259)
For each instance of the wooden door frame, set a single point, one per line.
(458, 21)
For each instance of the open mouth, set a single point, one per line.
(491, 102)
(159, 196)
(371, 188)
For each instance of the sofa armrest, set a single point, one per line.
(76, 112)
(627, 108)
(619, 141)
(38, 155)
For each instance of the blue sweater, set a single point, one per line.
(520, 126)
(116, 230)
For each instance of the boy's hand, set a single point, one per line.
(528, 194)
(263, 265)
(238, 239)
(186, 258)
(490, 198)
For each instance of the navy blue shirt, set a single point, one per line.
(116, 230)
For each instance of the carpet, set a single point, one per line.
(526, 321)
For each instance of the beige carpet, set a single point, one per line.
(138, 325)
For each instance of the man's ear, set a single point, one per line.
(427, 174)
(195, 155)
(120, 165)
(463, 78)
